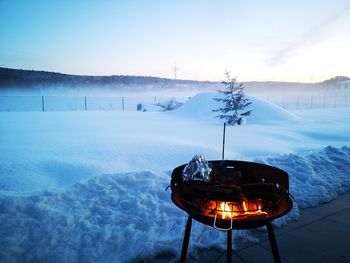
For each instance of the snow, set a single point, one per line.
(202, 105)
(90, 186)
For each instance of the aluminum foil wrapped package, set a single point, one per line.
(197, 169)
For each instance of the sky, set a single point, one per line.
(281, 40)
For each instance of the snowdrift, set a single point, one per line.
(90, 186)
(202, 105)
(105, 218)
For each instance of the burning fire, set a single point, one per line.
(230, 210)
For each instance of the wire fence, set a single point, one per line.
(124, 103)
(81, 103)
(305, 102)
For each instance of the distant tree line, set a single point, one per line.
(30, 78)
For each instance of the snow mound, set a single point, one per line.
(105, 218)
(100, 220)
(318, 177)
(202, 105)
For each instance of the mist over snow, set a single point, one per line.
(89, 186)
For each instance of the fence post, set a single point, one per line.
(42, 103)
(283, 102)
(123, 103)
(85, 104)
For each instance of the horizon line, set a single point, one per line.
(166, 78)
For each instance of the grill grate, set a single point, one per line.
(240, 195)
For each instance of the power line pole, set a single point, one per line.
(175, 69)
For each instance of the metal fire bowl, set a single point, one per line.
(233, 173)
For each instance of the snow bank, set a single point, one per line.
(129, 217)
(41, 151)
(125, 215)
(201, 107)
(318, 177)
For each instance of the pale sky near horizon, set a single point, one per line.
(294, 40)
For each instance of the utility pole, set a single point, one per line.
(175, 69)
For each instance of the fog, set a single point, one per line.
(292, 96)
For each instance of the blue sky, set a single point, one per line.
(256, 40)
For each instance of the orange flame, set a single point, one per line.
(231, 210)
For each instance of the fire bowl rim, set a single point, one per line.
(223, 223)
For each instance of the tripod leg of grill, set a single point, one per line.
(273, 243)
(229, 246)
(186, 240)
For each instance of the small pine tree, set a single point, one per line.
(234, 102)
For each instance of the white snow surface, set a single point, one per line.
(202, 106)
(90, 186)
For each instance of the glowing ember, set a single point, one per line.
(232, 210)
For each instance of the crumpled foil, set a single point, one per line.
(197, 169)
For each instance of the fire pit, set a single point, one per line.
(239, 195)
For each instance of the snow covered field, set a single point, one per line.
(90, 186)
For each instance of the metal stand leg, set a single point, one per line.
(186, 240)
(229, 246)
(273, 243)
